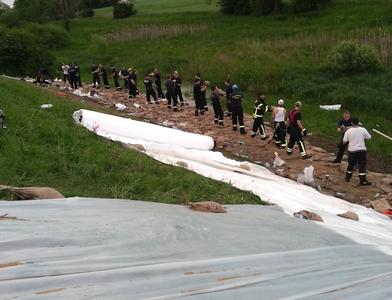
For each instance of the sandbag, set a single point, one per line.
(207, 206)
(32, 193)
(308, 215)
(349, 215)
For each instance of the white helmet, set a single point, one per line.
(280, 102)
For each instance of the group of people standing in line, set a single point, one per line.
(284, 122)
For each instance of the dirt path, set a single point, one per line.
(329, 178)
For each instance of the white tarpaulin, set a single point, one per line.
(190, 149)
(82, 248)
(331, 107)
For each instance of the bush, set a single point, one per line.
(21, 53)
(11, 18)
(87, 12)
(349, 57)
(123, 9)
(49, 36)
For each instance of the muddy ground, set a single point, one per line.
(329, 177)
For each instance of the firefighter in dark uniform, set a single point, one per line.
(258, 117)
(170, 93)
(77, 75)
(95, 72)
(158, 83)
(125, 76)
(132, 83)
(343, 125)
(102, 72)
(177, 87)
(204, 88)
(197, 95)
(114, 75)
(279, 117)
(149, 85)
(229, 90)
(237, 112)
(297, 131)
(215, 99)
(72, 77)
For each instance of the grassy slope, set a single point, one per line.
(46, 148)
(283, 55)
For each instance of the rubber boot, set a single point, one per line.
(363, 180)
(348, 176)
(242, 130)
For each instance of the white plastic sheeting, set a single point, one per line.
(331, 107)
(81, 248)
(135, 132)
(371, 229)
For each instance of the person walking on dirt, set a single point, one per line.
(279, 117)
(95, 73)
(114, 75)
(158, 83)
(102, 72)
(197, 95)
(229, 91)
(343, 125)
(204, 88)
(177, 87)
(357, 152)
(215, 98)
(148, 84)
(78, 79)
(72, 77)
(170, 93)
(124, 74)
(297, 131)
(65, 69)
(132, 83)
(258, 117)
(237, 111)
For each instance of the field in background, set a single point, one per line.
(46, 148)
(283, 55)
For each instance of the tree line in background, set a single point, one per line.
(268, 7)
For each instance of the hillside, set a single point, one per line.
(283, 55)
(45, 148)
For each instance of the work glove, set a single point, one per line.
(304, 132)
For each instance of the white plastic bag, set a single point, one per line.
(278, 162)
(46, 106)
(120, 106)
(308, 176)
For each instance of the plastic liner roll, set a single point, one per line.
(120, 129)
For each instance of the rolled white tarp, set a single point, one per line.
(331, 107)
(135, 132)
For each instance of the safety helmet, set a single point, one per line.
(280, 102)
(235, 87)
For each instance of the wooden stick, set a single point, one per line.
(382, 134)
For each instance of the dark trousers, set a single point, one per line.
(78, 80)
(237, 116)
(198, 104)
(132, 90)
(96, 80)
(170, 98)
(228, 105)
(126, 84)
(342, 148)
(105, 80)
(258, 125)
(66, 78)
(72, 81)
(116, 83)
(218, 118)
(149, 93)
(204, 102)
(296, 137)
(358, 157)
(178, 94)
(280, 133)
(159, 91)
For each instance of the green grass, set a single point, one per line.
(46, 148)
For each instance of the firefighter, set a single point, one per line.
(197, 95)
(258, 117)
(170, 93)
(148, 84)
(102, 72)
(355, 137)
(125, 76)
(215, 98)
(132, 83)
(158, 83)
(229, 90)
(65, 68)
(95, 72)
(72, 77)
(78, 80)
(237, 112)
(297, 131)
(343, 125)
(204, 88)
(114, 75)
(177, 87)
(278, 117)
